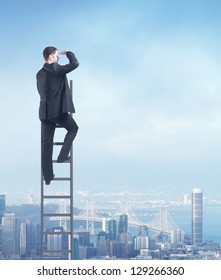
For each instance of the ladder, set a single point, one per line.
(56, 235)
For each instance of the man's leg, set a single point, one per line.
(47, 135)
(70, 125)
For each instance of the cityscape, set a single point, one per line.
(110, 232)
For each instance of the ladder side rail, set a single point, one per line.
(71, 193)
(42, 216)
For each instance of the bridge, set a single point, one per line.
(161, 223)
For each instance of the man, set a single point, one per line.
(55, 107)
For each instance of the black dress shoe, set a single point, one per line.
(67, 159)
(47, 182)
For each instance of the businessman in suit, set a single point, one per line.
(55, 107)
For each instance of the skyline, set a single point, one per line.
(134, 233)
(144, 210)
(147, 93)
(181, 215)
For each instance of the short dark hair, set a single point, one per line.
(47, 51)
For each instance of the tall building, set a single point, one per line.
(23, 239)
(76, 247)
(197, 217)
(0, 238)
(177, 236)
(29, 239)
(111, 229)
(142, 240)
(2, 207)
(186, 200)
(58, 242)
(102, 244)
(9, 234)
(143, 231)
(122, 223)
(2, 212)
(84, 238)
(117, 250)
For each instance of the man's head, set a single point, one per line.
(50, 54)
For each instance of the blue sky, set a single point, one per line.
(147, 92)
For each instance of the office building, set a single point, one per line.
(57, 242)
(9, 234)
(102, 244)
(76, 247)
(23, 239)
(186, 200)
(177, 236)
(84, 238)
(29, 239)
(122, 224)
(111, 229)
(197, 217)
(2, 207)
(142, 240)
(0, 238)
(117, 250)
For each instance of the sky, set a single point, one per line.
(147, 93)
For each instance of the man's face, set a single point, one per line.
(54, 57)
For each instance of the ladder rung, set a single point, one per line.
(57, 214)
(56, 251)
(62, 179)
(57, 196)
(58, 143)
(55, 161)
(57, 232)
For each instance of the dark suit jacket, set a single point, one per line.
(52, 84)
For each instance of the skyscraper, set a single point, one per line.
(117, 250)
(76, 247)
(102, 244)
(0, 238)
(2, 207)
(9, 234)
(2, 212)
(23, 239)
(111, 229)
(29, 238)
(122, 223)
(142, 240)
(197, 217)
(177, 236)
(57, 242)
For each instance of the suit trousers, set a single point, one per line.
(47, 137)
